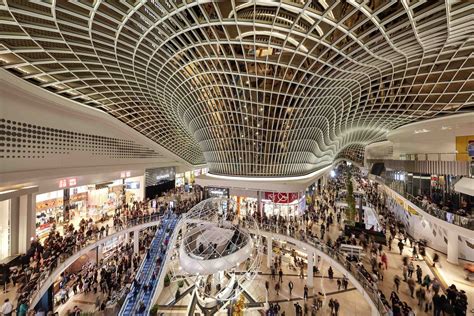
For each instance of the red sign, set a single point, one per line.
(281, 197)
(64, 183)
(125, 174)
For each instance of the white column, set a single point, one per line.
(269, 251)
(453, 246)
(310, 279)
(259, 203)
(27, 228)
(14, 225)
(142, 187)
(126, 237)
(136, 245)
(374, 311)
(100, 252)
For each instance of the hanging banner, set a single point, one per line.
(281, 197)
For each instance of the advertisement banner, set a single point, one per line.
(281, 197)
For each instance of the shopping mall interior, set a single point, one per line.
(229, 157)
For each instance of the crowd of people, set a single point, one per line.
(43, 256)
(423, 290)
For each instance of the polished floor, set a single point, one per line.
(351, 301)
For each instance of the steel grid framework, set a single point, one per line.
(256, 88)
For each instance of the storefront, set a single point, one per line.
(245, 205)
(96, 201)
(5, 227)
(158, 181)
(215, 192)
(286, 204)
(187, 178)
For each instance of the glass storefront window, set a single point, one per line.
(5, 229)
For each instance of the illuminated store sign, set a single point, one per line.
(65, 183)
(281, 197)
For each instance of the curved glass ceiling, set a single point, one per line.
(255, 88)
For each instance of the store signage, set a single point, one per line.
(163, 177)
(412, 210)
(125, 174)
(281, 197)
(217, 192)
(65, 183)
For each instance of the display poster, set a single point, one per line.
(464, 147)
(281, 197)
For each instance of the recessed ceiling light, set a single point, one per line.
(419, 131)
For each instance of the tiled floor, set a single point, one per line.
(351, 301)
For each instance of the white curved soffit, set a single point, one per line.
(204, 267)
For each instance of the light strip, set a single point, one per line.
(267, 179)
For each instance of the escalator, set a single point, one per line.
(138, 300)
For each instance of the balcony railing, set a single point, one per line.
(452, 218)
(435, 211)
(359, 273)
(50, 265)
(460, 156)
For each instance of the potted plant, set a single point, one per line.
(154, 310)
(167, 280)
(180, 283)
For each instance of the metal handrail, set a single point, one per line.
(452, 218)
(62, 257)
(369, 286)
(449, 217)
(429, 156)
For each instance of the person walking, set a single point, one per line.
(428, 299)
(421, 296)
(277, 288)
(435, 259)
(405, 273)
(290, 287)
(411, 286)
(336, 307)
(305, 292)
(7, 308)
(400, 246)
(384, 259)
(280, 276)
(419, 274)
(411, 269)
(396, 281)
(330, 273)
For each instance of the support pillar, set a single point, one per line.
(99, 252)
(27, 227)
(259, 204)
(269, 251)
(310, 279)
(136, 245)
(453, 247)
(374, 311)
(14, 225)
